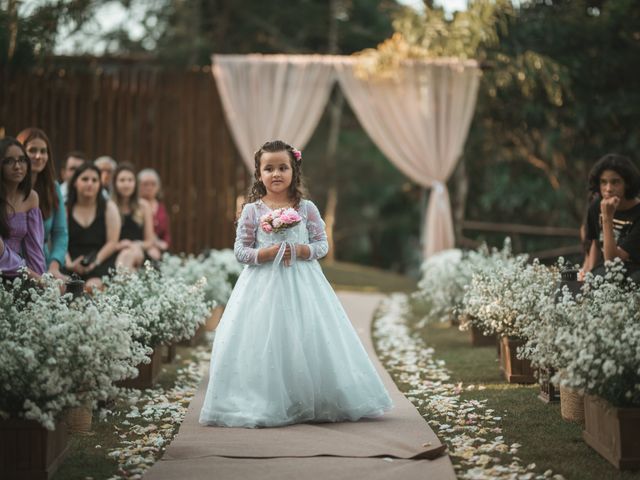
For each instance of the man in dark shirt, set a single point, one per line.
(613, 220)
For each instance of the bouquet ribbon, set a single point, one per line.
(280, 254)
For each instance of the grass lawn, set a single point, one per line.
(350, 276)
(547, 440)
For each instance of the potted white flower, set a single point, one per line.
(219, 269)
(53, 357)
(505, 296)
(164, 308)
(598, 347)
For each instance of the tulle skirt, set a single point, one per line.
(285, 352)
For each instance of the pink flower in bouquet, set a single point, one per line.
(290, 216)
(280, 219)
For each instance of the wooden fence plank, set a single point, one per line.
(168, 120)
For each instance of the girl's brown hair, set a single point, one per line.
(45, 184)
(297, 190)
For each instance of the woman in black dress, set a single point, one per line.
(136, 236)
(94, 227)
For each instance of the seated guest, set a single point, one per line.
(21, 226)
(43, 176)
(71, 162)
(136, 235)
(94, 227)
(613, 221)
(107, 166)
(151, 190)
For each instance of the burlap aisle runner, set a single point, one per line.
(399, 445)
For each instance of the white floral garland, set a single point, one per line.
(469, 429)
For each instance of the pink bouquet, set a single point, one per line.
(279, 220)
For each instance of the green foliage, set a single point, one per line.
(30, 32)
(556, 110)
(192, 31)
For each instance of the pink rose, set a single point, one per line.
(277, 222)
(266, 227)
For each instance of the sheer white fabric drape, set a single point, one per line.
(268, 97)
(419, 119)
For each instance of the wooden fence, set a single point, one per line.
(142, 114)
(515, 231)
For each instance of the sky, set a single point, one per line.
(112, 15)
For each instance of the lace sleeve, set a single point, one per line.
(317, 236)
(244, 246)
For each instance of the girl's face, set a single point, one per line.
(611, 184)
(88, 184)
(38, 154)
(14, 165)
(148, 187)
(125, 183)
(275, 171)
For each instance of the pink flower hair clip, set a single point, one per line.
(297, 153)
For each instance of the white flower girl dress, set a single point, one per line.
(285, 351)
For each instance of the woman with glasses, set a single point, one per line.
(21, 227)
(56, 236)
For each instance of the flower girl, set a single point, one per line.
(285, 351)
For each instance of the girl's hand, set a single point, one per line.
(608, 207)
(303, 251)
(122, 244)
(286, 258)
(273, 250)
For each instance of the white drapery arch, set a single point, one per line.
(418, 118)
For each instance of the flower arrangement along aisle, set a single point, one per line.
(56, 354)
(508, 293)
(597, 339)
(447, 275)
(165, 308)
(219, 268)
(593, 341)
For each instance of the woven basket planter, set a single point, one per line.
(479, 339)
(571, 405)
(28, 451)
(612, 432)
(147, 373)
(79, 419)
(514, 369)
(214, 319)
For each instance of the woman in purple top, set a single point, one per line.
(21, 226)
